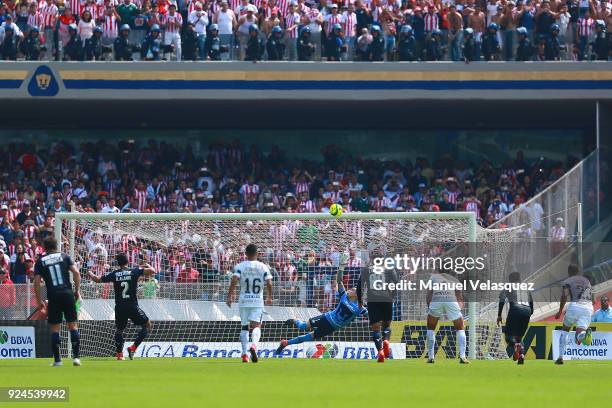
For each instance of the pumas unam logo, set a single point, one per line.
(322, 351)
(3, 337)
(43, 82)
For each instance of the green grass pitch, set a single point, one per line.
(188, 383)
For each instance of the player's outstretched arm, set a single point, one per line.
(269, 290)
(231, 290)
(340, 273)
(562, 302)
(148, 270)
(37, 284)
(93, 277)
(76, 278)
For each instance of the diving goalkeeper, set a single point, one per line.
(323, 325)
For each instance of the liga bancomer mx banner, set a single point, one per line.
(17, 342)
(599, 349)
(324, 349)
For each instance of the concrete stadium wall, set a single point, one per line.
(361, 81)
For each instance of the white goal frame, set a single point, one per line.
(469, 216)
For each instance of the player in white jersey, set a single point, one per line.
(443, 301)
(252, 275)
(577, 289)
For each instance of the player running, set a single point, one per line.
(440, 303)
(252, 274)
(517, 320)
(323, 325)
(125, 283)
(577, 289)
(55, 268)
(380, 307)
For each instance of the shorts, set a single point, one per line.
(451, 310)
(132, 312)
(517, 321)
(578, 315)
(321, 326)
(250, 314)
(61, 305)
(380, 311)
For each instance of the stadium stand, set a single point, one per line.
(363, 30)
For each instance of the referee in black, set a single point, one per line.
(517, 320)
(55, 269)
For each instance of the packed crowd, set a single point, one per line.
(153, 177)
(332, 30)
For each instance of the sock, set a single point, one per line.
(75, 339)
(387, 333)
(377, 340)
(119, 341)
(244, 339)
(562, 343)
(461, 341)
(55, 346)
(256, 335)
(300, 324)
(431, 343)
(301, 339)
(142, 334)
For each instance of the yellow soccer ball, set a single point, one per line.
(335, 210)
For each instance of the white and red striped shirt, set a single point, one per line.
(172, 24)
(49, 14)
(432, 22)
(11, 194)
(234, 4)
(141, 199)
(308, 206)
(585, 26)
(110, 29)
(452, 196)
(75, 7)
(283, 6)
(12, 214)
(350, 24)
(379, 204)
(29, 231)
(292, 21)
(249, 191)
(332, 20)
(35, 20)
(302, 187)
(161, 203)
(557, 234)
(473, 207)
(21, 202)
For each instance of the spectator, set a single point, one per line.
(604, 313)
(8, 298)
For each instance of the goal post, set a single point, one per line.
(219, 238)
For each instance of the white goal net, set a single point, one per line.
(194, 255)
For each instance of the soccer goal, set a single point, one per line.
(194, 255)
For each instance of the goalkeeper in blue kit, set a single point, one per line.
(323, 325)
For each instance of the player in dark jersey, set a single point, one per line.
(125, 283)
(55, 269)
(323, 325)
(517, 319)
(380, 307)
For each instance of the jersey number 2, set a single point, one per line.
(126, 287)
